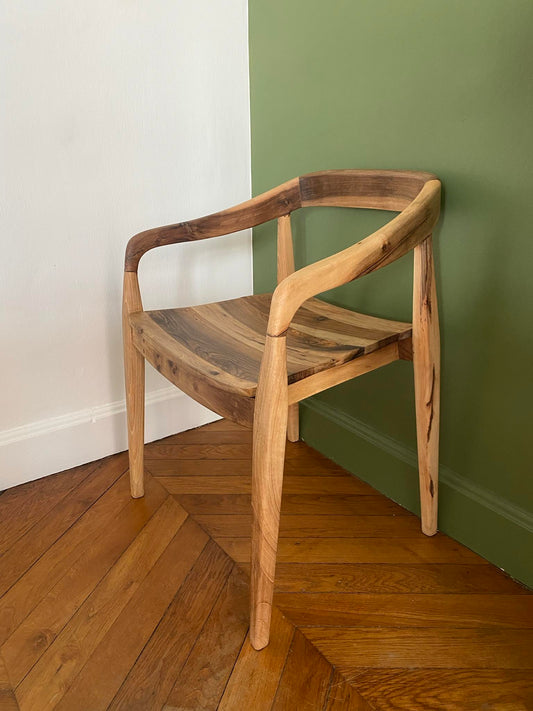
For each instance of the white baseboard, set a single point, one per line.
(48, 446)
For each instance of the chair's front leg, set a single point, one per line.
(270, 428)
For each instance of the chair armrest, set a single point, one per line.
(270, 205)
(390, 242)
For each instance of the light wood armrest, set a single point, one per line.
(390, 242)
(270, 205)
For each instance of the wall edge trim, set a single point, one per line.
(480, 495)
(57, 444)
(80, 417)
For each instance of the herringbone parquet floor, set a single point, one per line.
(111, 603)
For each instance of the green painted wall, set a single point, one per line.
(444, 87)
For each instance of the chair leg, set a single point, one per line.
(293, 424)
(270, 431)
(426, 362)
(134, 374)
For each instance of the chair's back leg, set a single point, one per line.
(286, 267)
(269, 435)
(426, 361)
(134, 373)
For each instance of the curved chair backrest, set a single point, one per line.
(377, 189)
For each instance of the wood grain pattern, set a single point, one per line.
(383, 247)
(318, 382)
(48, 680)
(254, 358)
(223, 343)
(343, 697)
(426, 362)
(391, 610)
(270, 429)
(255, 678)
(239, 526)
(306, 678)
(286, 267)
(33, 585)
(292, 503)
(262, 208)
(457, 689)
(397, 578)
(22, 507)
(8, 701)
(415, 648)
(136, 606)
(119, 649)
(364, 550)
(40, 628)
(134, 383)
(152, 676)
(38, 539)
(375, 189)
(203, 678)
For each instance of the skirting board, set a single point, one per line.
(49, 446)
(497, 529)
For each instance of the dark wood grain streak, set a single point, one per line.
(275, 203)
(381, 190)
(223, 343)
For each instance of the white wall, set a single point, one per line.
(116, 116)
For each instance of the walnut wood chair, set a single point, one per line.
(253, 359)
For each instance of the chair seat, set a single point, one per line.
(223, 342)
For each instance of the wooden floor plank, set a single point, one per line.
(392, 610)
(223, 425)
(36, 541)
(131, 604)
(32, 587)
(306, 678)
(8, 701)
(446, 690)
(323, 526)
(433, 648)
(294, 504)
(200, 452)
(202, 680)
(393, 578)
(160, 466)
(37, 632)
(255, 678)
(343, 697)
(305, 484)
(155, 671)
(47, 682)
(117, 652)
(295, 453)
(205, 435)
(359, 550)
(198, 468)
(21, 507)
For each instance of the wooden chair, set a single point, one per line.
(253, 359)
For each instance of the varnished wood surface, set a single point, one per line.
(253, 359)
(224, 342)
(119, 603)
